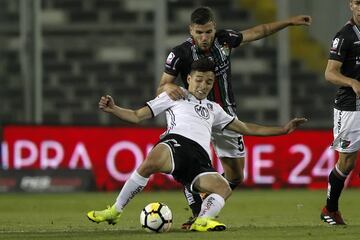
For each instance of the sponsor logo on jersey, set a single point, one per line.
(335, 44)
(232, 33)
(203, 112)
(357, 60)
(210, 106)
(170, 58)
(173, 142)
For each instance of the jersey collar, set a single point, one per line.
(192, 98)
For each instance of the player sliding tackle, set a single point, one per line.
(184, 149)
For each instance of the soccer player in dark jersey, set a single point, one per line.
(343, 70)
(206, 41)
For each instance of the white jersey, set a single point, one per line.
(190, 117)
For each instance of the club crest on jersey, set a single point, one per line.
(203, 112)
(344, 143)
(225, 50)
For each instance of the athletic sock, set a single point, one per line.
(335, 186)
(212, 205)
(194, 201)
(133, 186)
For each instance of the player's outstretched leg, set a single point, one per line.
(109, 215)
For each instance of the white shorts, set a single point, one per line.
(346, 131)
(228, 143)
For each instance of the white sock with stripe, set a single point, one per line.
(212, 205)
(133, 186)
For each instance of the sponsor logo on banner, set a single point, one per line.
(302, 158)
(36, 180)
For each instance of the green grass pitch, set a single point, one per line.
(248, 214)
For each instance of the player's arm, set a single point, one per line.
(334, 76)
(167, 85)
(267, 29)
(108, 105)
(260, 130)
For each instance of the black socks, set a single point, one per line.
(336, 185)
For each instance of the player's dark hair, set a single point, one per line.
(203, 65)
(202, 15)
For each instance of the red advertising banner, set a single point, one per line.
(300, 159)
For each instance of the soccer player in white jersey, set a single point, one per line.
(184, 149)
(207, 41)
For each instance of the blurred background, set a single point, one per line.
(58, 56)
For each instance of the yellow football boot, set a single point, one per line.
(203, 224)
(109, 215)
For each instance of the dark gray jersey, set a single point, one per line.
(345, 48)
(181, 57)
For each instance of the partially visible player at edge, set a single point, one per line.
(343, 70)
(185, 154)
(206, 41)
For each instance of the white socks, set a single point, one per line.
(212, 205)
(133, 186)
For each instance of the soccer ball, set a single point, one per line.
(156, 217)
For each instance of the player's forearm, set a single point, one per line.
(255, 129)
(264, 30)
(125, 114)
(259, 130)
(274, 27)
(338, 79)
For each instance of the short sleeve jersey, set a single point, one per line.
(181, 57)
(345, 48)
(190, 117)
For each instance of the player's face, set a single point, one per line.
(203, 35)
(355, 8)
(201, 83)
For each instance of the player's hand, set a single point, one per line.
(293, 124)
(300, 20)
(356, 87)
(107, 103)
(174, 91)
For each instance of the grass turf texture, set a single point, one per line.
(248, 214)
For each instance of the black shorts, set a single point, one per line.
(189, 158)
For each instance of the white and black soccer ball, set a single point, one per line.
(156, 217)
